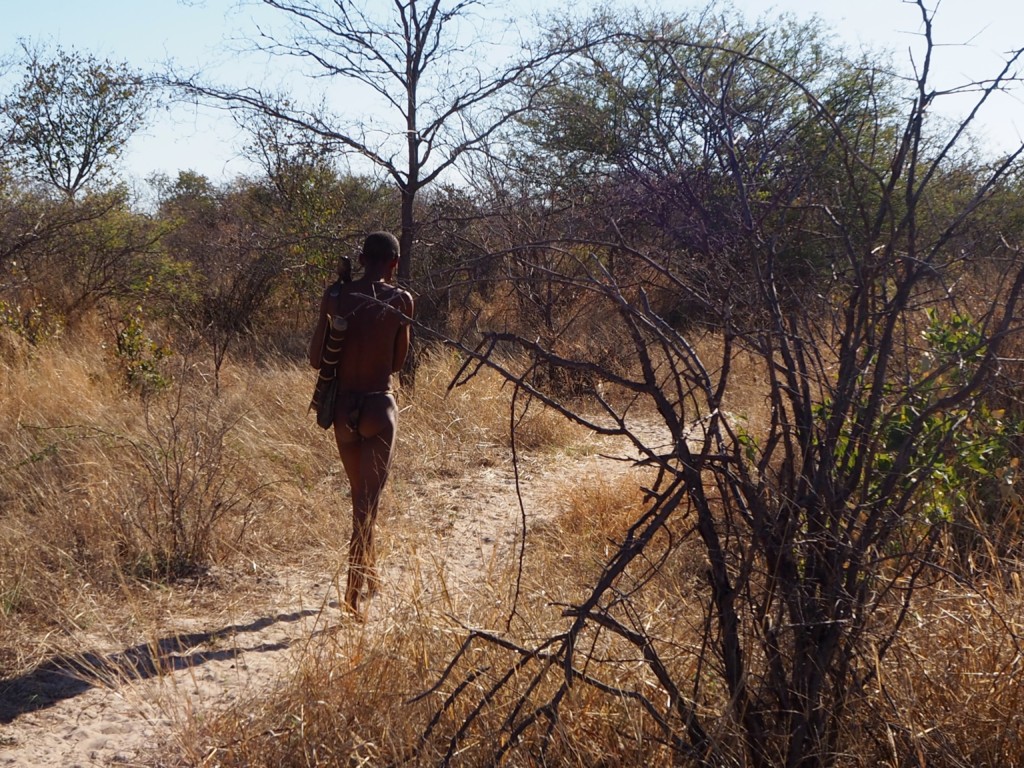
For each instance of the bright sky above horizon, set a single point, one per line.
(973, 35)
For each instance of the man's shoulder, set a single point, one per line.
(332, 297)
(403, 300)
(397, 296)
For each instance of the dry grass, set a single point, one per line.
(447, 431)
(364, 695)
(89, 475)
(102, 491)
(76, 455)
(952, 690)
(346, 701)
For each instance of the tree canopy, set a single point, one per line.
(72, 115)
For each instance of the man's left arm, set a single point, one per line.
(404, 336)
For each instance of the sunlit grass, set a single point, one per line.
(77, 452)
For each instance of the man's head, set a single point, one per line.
(380, 249)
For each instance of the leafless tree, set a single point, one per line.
(432, 96)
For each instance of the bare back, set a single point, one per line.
(377, 338)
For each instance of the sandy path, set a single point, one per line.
(109, 706)
(100, 708)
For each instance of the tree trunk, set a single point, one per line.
(406, 238)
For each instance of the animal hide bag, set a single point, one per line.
(323, 400)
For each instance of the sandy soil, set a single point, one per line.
(100, 705)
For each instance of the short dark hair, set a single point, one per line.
(380, 247)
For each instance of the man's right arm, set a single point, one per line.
(404, 335)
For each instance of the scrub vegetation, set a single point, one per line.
(753, 262)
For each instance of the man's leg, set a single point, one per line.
(366, 455)
(350, 452)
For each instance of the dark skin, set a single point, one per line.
(375, 346)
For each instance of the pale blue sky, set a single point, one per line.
(193, 32)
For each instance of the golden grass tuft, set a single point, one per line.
(952, 689)
(446, 430)
(594, 515)
(348, 701)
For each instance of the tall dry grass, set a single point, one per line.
(446, 431)
(949, 693)
(104, 491)
(79, 455)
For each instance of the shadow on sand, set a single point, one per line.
(70, 675)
